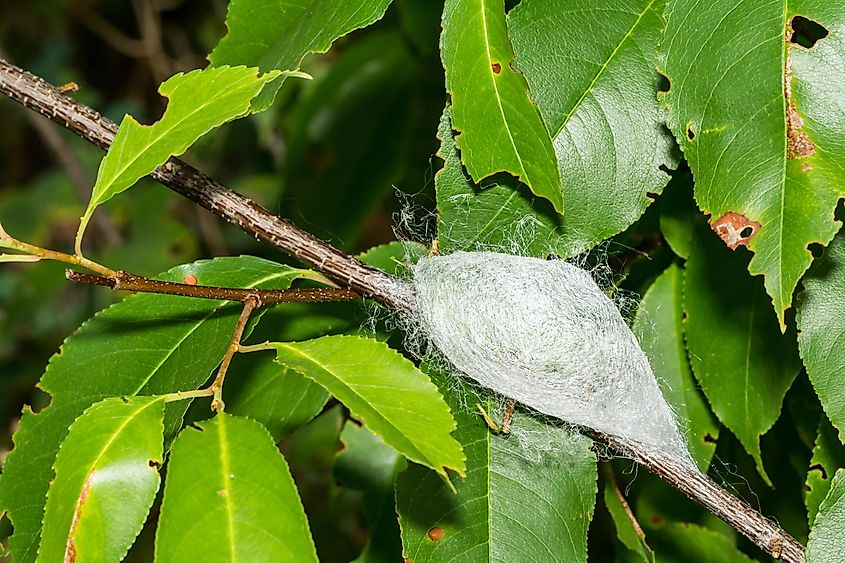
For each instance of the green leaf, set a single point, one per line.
(659, 327)
(499, 126)
(385, 391)
(742, 361)
(526, 497)
(682, 542)
(199, 101)
(229, 492)
(107, 476)
(821, 326)
(678, 213)
(395, 258)
(277, 35)
(828, 456)
(610, 146)
(827, 543)
(499, 213)
(628, 530)
(369, 465)
(145, 345)
(760, 121)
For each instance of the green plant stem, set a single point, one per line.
(7, 241)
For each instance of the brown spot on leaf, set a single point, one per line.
(798, 143)
(436, 534)
(222, 493)
(805, 167)
(497, 68)
(735, 229)
(70, 547)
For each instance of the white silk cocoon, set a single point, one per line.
(543, 333)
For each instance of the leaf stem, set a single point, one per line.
(8, 241)
(250, 304)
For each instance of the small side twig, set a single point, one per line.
(131, 282)
(251, 303)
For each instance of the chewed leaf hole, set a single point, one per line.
(663, 83)
(816, 249)
(806, 32)
(820, 469)
(690, 132)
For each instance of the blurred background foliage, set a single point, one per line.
(340, 156)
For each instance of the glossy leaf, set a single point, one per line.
(659, 327)
(827, 543)
(526, 497)
(107, 476)
(277, 35)
(499, 126)
(385, 391)
(145, 345)
(590, 66)
(741, 360)
(229, 495)
(678, 213)
(198, 102)
(821, 326)
(761, 121)
(828, 456)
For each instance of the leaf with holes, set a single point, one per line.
(821, 325)
(590, 67)
(499, 126)
(659, 327)
(199, 101)
(740, 358)
(107, 476)
(828, 456)
(145, 345)
(384, 390)
(499, 213)
(526, 497)
(276, 35)
(761, 121)
(229, 492)
(827, 543)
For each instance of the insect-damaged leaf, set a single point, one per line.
(821, 326)
(229, 496)
(526, 497)
(659, 327)
(499, 127)
(827, 543)
(761, 122)
(742, 361)
(590, 65)
(107, 475)
(384, 390)
(147, 344)
(828, 456)
(199, 101)
(276, 35)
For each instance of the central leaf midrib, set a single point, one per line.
(602, 69)
(496, 90)
(384, 419)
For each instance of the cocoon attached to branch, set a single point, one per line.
(542, 332)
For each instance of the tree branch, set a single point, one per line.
(37, 95)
